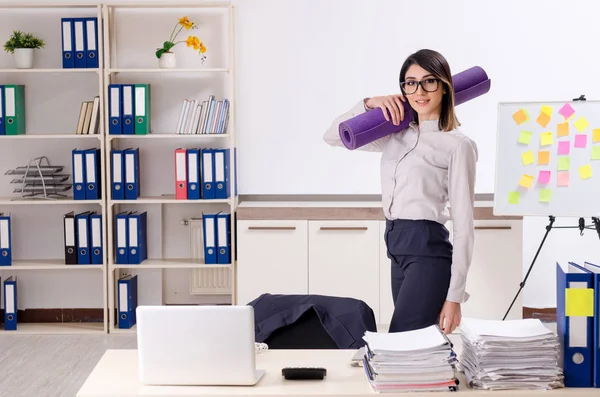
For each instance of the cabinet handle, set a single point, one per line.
(271, 227)
(343, 228)
(493, 227)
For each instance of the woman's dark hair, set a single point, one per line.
(436, 64)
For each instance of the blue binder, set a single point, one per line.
(68, 43)
(2, 107)
(193, 176)
(209, 226)
(91, 49)
(574, 322)
(121, 238)
(79, 33)
(79, 173)
(96, 239)
(117, 180)
(223, 239)
(93, 180)
(10, 304)
(132, 173)
(127, 109)
(115, 109)
(208, 174)
(137, 240)
(82, 225)
(127, 301)
(596, 367)
(222, 180)
(5, 240)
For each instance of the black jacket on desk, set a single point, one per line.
(344, 319)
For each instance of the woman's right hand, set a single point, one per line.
(391, 104)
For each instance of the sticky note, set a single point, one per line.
(566, 111)
(595, 152)
(564, 163)
(563, 178)
(579, 302)
(526, 181)
(545, 195)
(547, 110)
(527, 157)
(562, 129)
(581, 124)
(596, 135)
(580, 140)
(543, 157)
(585, 171)
(543, 119)
(525, 137)
(564, 147)
(513, 197)
(546, 138)
(544, 176)
(520, 116)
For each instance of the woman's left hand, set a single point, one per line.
(450, 317)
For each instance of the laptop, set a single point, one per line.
(197, 345)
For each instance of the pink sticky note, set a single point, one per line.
(564, 147)
(544, 177)
(563, 178)
(566, 111)
(580, 140)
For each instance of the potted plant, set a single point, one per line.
(22, 45)
(166, 57)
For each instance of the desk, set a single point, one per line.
(116, 375)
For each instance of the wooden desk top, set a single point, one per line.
(116, 375)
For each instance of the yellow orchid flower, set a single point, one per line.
(186, 23)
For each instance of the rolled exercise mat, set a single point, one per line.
(372, 125)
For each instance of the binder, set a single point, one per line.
(14, 109)
(117, 174)
(596, 351)
(221, 173)
(132, 173)
(574, 323)
(5, 240)
(127, 298)
(2, 129)
(115, 106)
(121, 238)
(223, 239)
(142, 109)
(10, 304)
(208, 174)
(70, 238)
(127, 110)
(137, 243)
(79, 172)
(79, 42)
(93, 183)
(209, 226)
(91, 49)
(193, 174)
(181, 174)
(68, 43)
(96, 257)
(82, 224)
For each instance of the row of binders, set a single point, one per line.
(217, 238)
(130, 110)
(131, 237)
(203, 173)
(578, 323)
(10, 303)
(88, 122)
(79, 42)
(83, 238)
(5, 240)
(86, 165)
(12, 109)
(206, 117)
(125, 174)
(127, 300)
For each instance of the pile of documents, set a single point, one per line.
(512, 354)
(419, 360)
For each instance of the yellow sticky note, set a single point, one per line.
(595, 152)
(581, 124)
(543, 157)
(579, 302)
(546, 138)
(526, 181)
(527, 158)
(547, 110)
(520, 116)
(563, 129)
(596, 135)
(585, 171)
(545, 195)
(525, 137)
(564, 163)
(543, 119)
(513, 197)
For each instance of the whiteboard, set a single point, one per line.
(548, 159)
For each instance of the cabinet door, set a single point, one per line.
(272, 258)
(344, 260)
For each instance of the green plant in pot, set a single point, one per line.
(22, 46)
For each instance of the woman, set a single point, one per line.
(423, 168)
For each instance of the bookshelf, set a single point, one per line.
(53, 97)
(175, 250)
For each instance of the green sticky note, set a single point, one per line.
(513, 197)
(525, 137)
(564, 163)
(595, 152)
(545, 195)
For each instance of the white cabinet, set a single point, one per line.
(272, 258)
(344, 260)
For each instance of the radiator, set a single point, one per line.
(206, 281)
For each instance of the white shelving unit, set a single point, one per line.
(43, 136)
(158, 194)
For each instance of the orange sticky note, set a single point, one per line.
(526, 181)
(543, 157)
(543, 119)
(520, 116)
(585, 171)
(596, 135)
(563, 129)
(527, 157)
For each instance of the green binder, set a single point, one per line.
(142, 109)
(14, 109)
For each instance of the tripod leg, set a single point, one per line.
(522, 284)
(597, 225)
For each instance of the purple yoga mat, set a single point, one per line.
(372, 125)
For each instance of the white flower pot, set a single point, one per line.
(167, 61)
(24, 58)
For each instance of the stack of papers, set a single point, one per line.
(419, 360)
(515, 354)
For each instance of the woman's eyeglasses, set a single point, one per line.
(411, 86)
